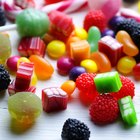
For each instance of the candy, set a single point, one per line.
(48, 38)
(127, 110)
(23, 76)
(22, 59)
(32, 22)
(52, 1)
(89, 65)
(2, 17)
(12, 63)
(102, 61)
(64, 65)
(108, 7)
(24, 107)
(56, 49)
(33, 45)
(80, 50)
(54, 99)
(129, 48)
(43, 68)
(108, 82)
(68, 86)
(112, 48)
(126, 64)
(108, 32)
(94, 36)
(5, 47)
(136, 71)
(75, 72)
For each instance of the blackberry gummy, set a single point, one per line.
(4, 78)
(2, 17)
(73, 129)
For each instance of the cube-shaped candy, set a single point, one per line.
(108, 82)
(79, 50)
(33, 45)
(127, 110)
(112, 48)
(23, 76)
(54, 99)
(12, 90)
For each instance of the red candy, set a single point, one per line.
(54, 99)
(32, 45)
(52, 1)
(136, 71)
(112, 48)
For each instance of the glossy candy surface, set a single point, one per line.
(126, 64)
(108, 32)
(127, 110)
(43, 68)
(136, 71)
(129, 48)
(32, 22)
(108, 82)
(54, 99)
(24, 107)
(94, 36)
(102, 61)
(56, 49)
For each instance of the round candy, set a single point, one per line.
(126, 64)
(69, 87)
(56, 49)
(89, 65)
(25, 107)
(22, 59)
(75, 72)
(32, 22)
(108, 32)
(64, 65)
(12, 63)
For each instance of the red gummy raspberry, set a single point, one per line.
(104, 109)
(128, 88)
(85, 82)
(95, 18)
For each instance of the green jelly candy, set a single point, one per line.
(127, 110)
(24, 107)
(108, 82)
(94, 36)
(32, 22)
(5, 48)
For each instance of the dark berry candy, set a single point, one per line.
(73, 129)
(4, 78)
(2, 17)
(130, 1)
(108, 32)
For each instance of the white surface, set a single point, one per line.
(49, 126)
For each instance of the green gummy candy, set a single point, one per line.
(108, 82)
(32, 22)
(94, 36)
(127, 110)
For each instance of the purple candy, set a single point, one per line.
(108, 32)
(113, 22)
(75, 72)
(64, 65)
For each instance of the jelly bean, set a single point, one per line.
(125, 64)
(108, 32)
(129, 48)
(75, 72)
(127, 110)
(111, 48)
(12, 63)
(81, 33)
(80, 50)
(33, 80)
(94, 36)
(89, 65)
(43, 68)
(136, 71)
(108, 82)
(56, 49)
(64, 65)
(68, 86)
(102, 61)
(22, 59)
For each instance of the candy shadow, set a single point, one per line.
(2, 94)
(18, 128)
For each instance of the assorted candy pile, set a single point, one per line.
(86, 55)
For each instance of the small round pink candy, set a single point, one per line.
(108, 7)
(12, 63)
(64, 65)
